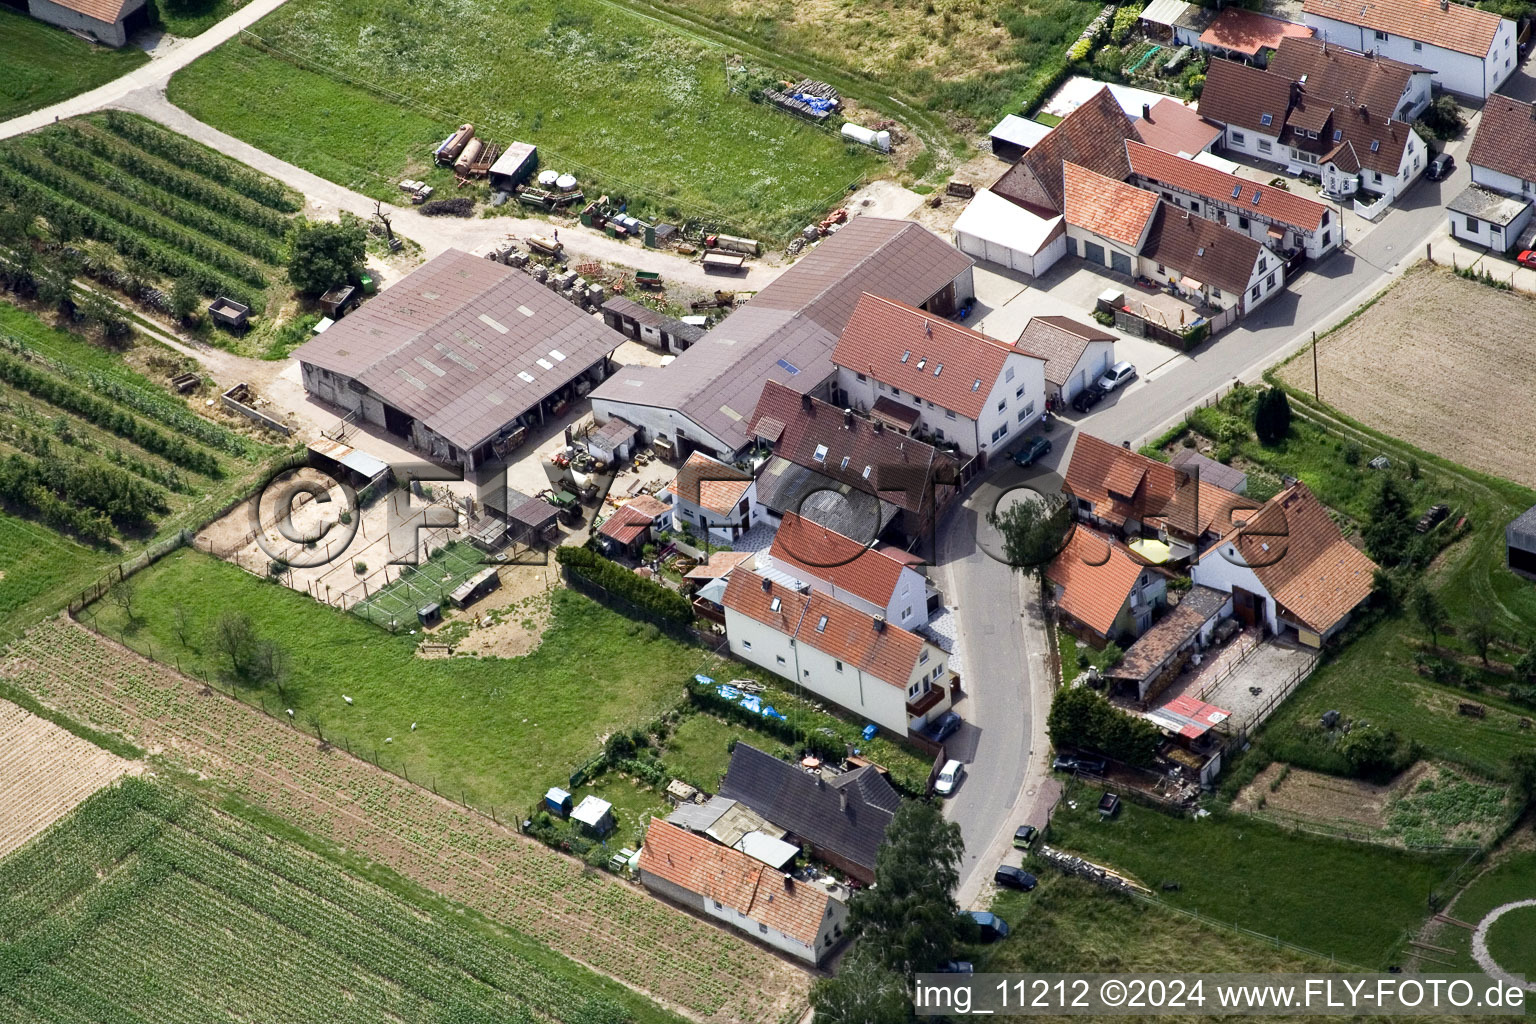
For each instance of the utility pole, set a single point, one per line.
(1315, 393)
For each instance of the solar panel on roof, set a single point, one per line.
(545, 363)
(525, 375)
(557, 355)
(788, 366)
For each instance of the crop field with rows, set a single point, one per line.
(97, 452)
(176, 209)
(460, 855)
(150, 906)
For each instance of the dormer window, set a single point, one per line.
(937, 369)
(1338, 133)
(1237, 190)
(775, 604)
(906, 355)
(821, 453)
(1266, 119)
(1375, 145)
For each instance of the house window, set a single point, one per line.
(1215, 292)
(1265, 146)
(999, 432)
(923, 658)
(1023, 415)
(1381, 36)
(763, 928)
(1266, 119)
(1002, 405)
(1194, 206)
(948, 414)
(839, 666)
(896, 392)
(1162, 269)
(1326, 234)
(775, 604)
(746, 645)
(1029, 410)
(1263, 262)
(1020, 392)
(1008, 374)
(906, 613)
(1376, 177)
(938, 435)
(860, 376)
(718, 906)
(1418, 47)
(1255, 292)
(687, 514)
(1242, 222)
(779, 658)
(1238, 139)
(1270, 280)
(912, 692)
(821, 453)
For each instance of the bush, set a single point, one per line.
(459, 206)
(1081, 717)
(1272, 416)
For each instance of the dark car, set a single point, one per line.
(957, 967)
(1092, 765)
(945, 727)
(1014, 878)
(991, 926)
(1024, 836)
(1441, 166)
(1089, 397)
(1064, 764)
(1031, 450)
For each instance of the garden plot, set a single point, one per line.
(1430, 362)
(44, 772)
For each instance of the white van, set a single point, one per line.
(949, 778)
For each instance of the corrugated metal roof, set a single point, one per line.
(463, 344)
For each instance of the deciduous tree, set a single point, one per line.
(323, 255)
(1034, 531)
(864, 991)
(909, 921)
(235, 637)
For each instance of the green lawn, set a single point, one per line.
(636, 108)
(44, 65)
(42, 571)
(698, 750)
(1338, 898)
(147, 904)
(1512, 939)
(499, 730)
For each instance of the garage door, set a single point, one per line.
(1093, 252)
(1120, 262)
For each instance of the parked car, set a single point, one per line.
(1092, 765)
(1121, 373)
(945, 727)
(949, 778)
(1033, 449)
(1014, 878)
(957, 967)
(1441, 166)
(1089, 397)
(992, 927)
(1064, 764)
(1527, 258)
(1024, 836)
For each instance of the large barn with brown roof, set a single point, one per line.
(785, 334)
(459, 359)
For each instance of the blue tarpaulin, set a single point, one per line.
(748, 701)
(817, 103)
(769, 712)
(703, 680)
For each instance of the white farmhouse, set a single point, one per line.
(924, 375)
(1471, 52)
(876, 580)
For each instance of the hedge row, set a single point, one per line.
(646, 595)
(80, 498)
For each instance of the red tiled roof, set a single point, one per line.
(922, 354)
(804, 549)
(1094, 588)
(1336, 77)
(1175, 128)
(1453, 26)
(1062, 341)
(1506, 138)
(889, 654)
(1275, 203)
(720, 563)
(1123, 484)
(630, 521)
(1109, 208)
(1091, 136)
(730, 877)
(1296, 550)
(108, 11)
(710, 484)
(1248, 32)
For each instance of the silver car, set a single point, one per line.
(1121, 373)
(949, 778)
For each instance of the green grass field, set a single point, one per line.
(146, 904)
(421, 585)
(500, 730)
(1512, 938)
(44, 65)
(635, 108)
(1341, 899)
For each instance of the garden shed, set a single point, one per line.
(558, 801)
(595, 814)
(514, 166)
(1520, 543)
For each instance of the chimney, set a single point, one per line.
(1146, 111)
(767, 585)
(842, 800)
(805, 402)
(848, 417)
(879, 623)
(879, 426)
(1445, 5)
(789, 882)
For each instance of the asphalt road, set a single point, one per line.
(1000, 711)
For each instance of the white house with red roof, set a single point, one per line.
(922, 374)
(873, 579)
(802, 919)
(1470, 51)
(861, 662)
(714, 497)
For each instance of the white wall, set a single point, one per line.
(1252, 143)
(881, 702)
(1480, 232)
(653, 420)
(109, 33)
(1501, 182)
(906, 607)
(1220, 569)
(1311, 242)
(837, 917)
(1457, 72)
(686, 513)
(1096, 358)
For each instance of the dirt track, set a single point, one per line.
(1442, 363)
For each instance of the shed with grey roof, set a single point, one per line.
(786, 334)
(1520, 543)
(1228, 478)
(460, 358)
